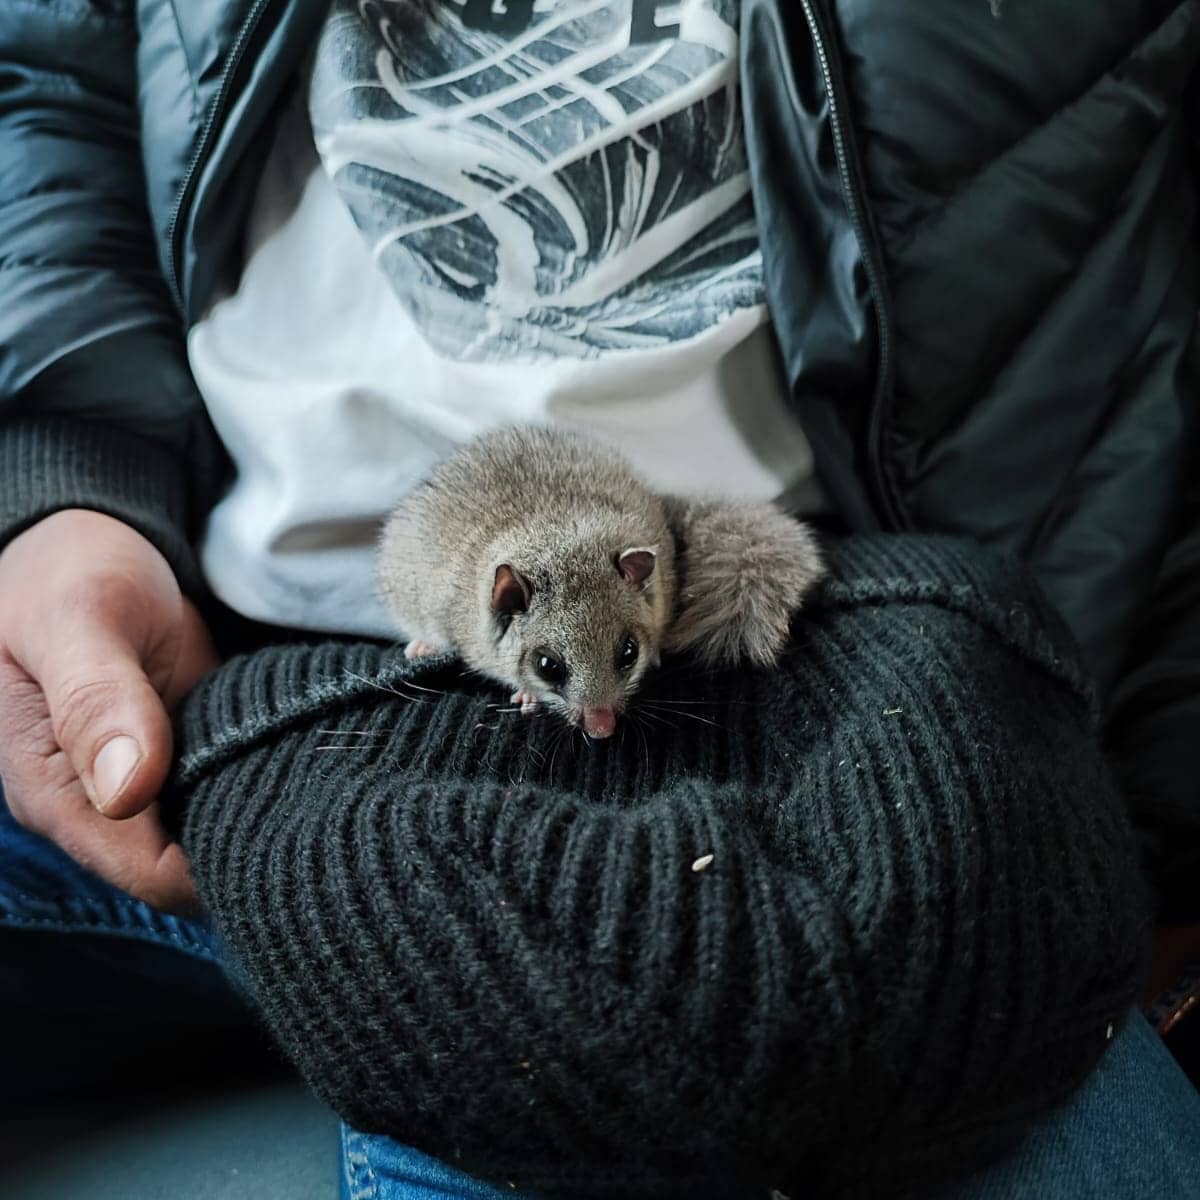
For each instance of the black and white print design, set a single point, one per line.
(544, 178)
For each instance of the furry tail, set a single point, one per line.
(744, 570)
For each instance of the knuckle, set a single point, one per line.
(21, 813)
(81, 707)
(35, 790)
(115, 590)
(141, 889)
(153, 892)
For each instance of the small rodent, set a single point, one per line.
(541, 558)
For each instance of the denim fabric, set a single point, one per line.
(41, 888)
(377, 1168)
(1132, 1132)
(81, 964)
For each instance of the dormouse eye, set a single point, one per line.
(627, 655)
(552, 670)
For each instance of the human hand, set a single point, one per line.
(97, 644)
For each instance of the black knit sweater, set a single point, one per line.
(921, 922)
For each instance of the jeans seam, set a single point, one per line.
(108, 929)
(362, 1180)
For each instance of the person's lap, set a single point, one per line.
(73, 948)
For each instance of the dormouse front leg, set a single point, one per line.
(418, 649)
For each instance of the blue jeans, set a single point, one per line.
(100, 959)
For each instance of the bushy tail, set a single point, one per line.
(744, 569)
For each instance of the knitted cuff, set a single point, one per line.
(887, 888)
(49, 464)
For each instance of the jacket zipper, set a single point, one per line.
(889, 501)
(204, 147)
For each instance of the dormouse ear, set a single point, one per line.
(636, 565)
(510, 591)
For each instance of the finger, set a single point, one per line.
(135, 855)
(45, 795)
(196, 656)
(106, 716)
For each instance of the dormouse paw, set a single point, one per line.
(417, 649)
(527, 700)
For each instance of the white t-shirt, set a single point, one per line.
(511, 211)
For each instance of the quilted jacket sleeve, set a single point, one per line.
(97, 407)
(1155, 723)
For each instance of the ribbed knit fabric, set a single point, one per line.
(48, 464)
(921, 922)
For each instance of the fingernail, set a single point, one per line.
(112, 768)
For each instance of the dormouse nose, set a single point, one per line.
(599, 722)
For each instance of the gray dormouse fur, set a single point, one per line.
(535, 548)
(742, 573)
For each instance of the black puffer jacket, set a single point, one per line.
(984, 225)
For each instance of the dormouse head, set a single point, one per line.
(581, 635)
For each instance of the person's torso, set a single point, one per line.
(543, 217)
(957, 207)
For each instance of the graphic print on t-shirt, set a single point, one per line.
(543, 178)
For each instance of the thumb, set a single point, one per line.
(195, 658)
(108, 719)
